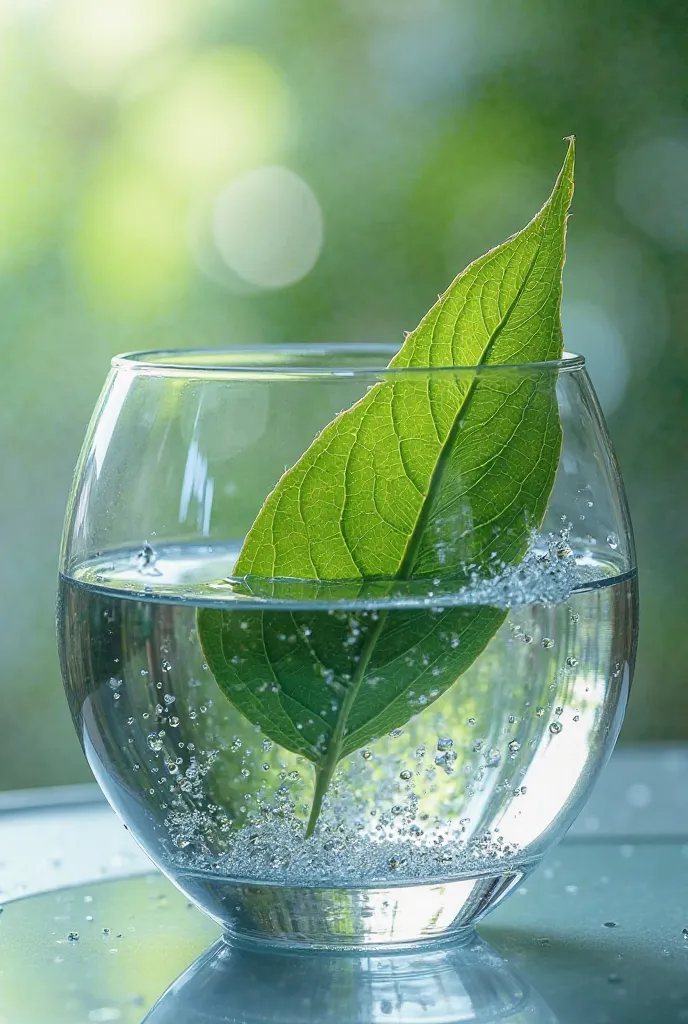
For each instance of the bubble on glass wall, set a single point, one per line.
(651, 188)
(267, 226)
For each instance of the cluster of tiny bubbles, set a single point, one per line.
(547, 574)
(446, 755)
(408, 844)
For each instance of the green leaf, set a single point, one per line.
(420, 478)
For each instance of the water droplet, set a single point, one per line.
(154, 742)
(73, 937)
(527, 638)
(266, 767)
(366, 755)
(477, 746)
(576, 718)
(575, 616)
(493, 758)
(166, 665)
(169, 698)
(405, 775)
(555, 728)
(540, 712)
(294, 776)
(114, 683)
(612, 541)
(470, 721)
(245, 773)
(445, 743)
(571, 662)
(547, 642)
(236, 745)
(174, 721)
(558, 712)
(514, 747)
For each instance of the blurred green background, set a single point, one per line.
(203, 172)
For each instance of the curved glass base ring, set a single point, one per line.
(350, 918)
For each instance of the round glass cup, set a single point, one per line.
(451, 798)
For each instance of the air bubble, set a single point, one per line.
(174, 721)
(540, 712)
(514, 747)
(166, 665)
(612, 541)
(547, 642)
(555, 728)
(154, 742)
(366, 755)
(405, 775)
(571, 662)
(493, 758)
(445, 743)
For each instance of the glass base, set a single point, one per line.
(349, 918)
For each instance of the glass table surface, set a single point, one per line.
(90, 932)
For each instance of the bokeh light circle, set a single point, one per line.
(267, 226)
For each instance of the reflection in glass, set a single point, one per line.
(444, 985)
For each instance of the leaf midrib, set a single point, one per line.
(411, 550)
(325, 769)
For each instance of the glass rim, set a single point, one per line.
(276, 361)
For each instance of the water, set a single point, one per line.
(461, 800)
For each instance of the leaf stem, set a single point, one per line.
(325, 770)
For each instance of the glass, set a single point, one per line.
(425, 827)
